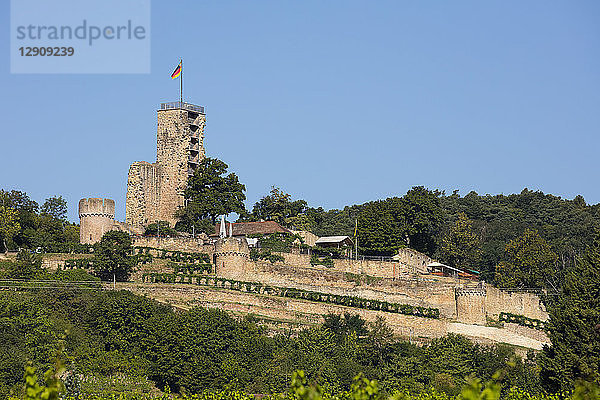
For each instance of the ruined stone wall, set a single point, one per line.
(308, 237)
(298, 311)
(414, 259)
(143, 193)
(185, 244)
(53, 262)
(96, 217)
(527, 304)
(383, 269)
(130, 229)
(435, 292)
(452, 296)
(281, 308)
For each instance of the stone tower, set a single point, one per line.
(231, 257)
(470, 305)
(96, 217)
(156, 191)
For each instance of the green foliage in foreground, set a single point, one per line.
(120, 342)
(300, 389)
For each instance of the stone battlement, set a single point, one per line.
(97, 206)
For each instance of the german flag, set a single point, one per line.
(177, 71)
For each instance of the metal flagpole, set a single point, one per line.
(181, 83)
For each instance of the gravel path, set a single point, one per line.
(495, 334)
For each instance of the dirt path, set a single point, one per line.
(494, 334)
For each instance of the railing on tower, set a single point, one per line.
(178, 105)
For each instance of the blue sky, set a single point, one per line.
(336, 102)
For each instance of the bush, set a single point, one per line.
(259, 254)
(326, 261)
(165, 229)
(522, 320)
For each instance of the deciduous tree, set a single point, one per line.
(55, 207)
(529, 262)
(211, 192)
(461, 245)
(9, 225)
(113, 257)
(278, 206)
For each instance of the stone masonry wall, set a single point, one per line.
(383, 269)
(53, 261)
(294, 311)
(417, 260)
(437, 293)
(527, 304)
(470, 305)
(143, 192)
(347, 279)
(281, 308)
(187, 245)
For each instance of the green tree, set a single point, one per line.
(278, 206)
(414, 220)
(27, 210)
(382, 227)
(450, 359)
(461, 245)
(423, 217)
(27, 266)
(9, 225)
(55, 207)
(165, 229)
(113, 257)
(345, 324)
(210, 192)
(574, 325)
(528, 262)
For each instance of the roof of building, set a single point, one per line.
(436, 264)
(332, 239)
(251, 228)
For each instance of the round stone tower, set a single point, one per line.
(231, 257)
(96, 217)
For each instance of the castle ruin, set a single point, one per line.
(156, 191)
